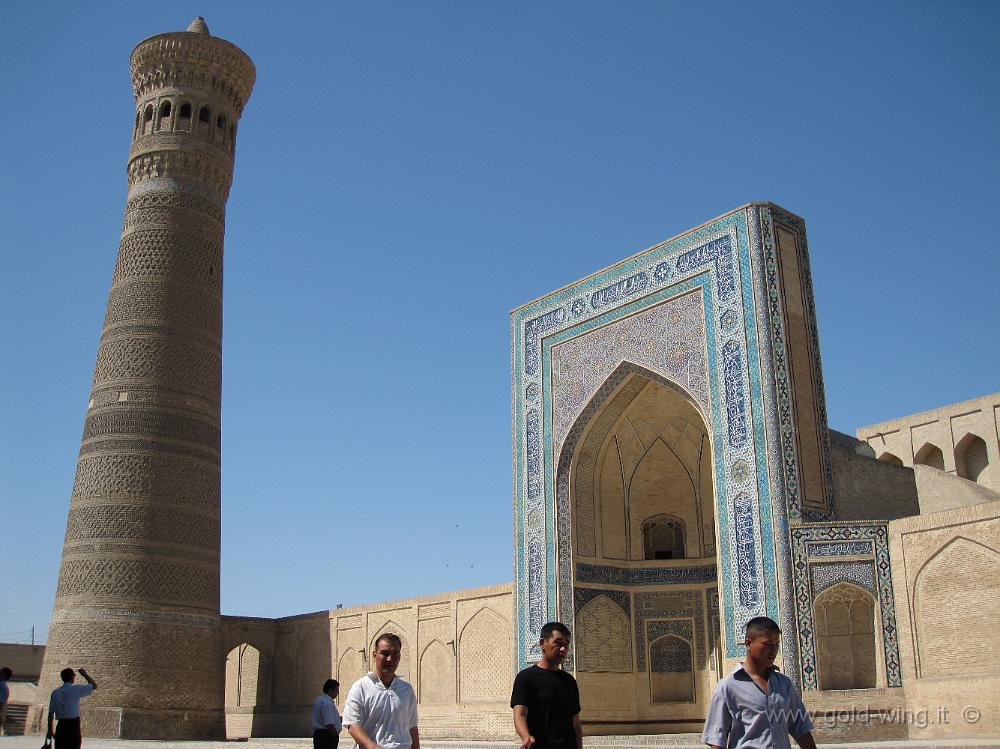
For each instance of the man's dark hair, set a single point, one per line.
(761, 624)
(551, 627)
(6, 672)
(67, 674)
(331, 685)
(390, 638)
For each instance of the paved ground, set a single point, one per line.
(591, 742)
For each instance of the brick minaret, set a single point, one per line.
(137, 601)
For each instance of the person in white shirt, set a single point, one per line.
(381, 708)
(325, 718)
(64, 706)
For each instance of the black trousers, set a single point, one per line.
(68, 734)
(323, 738)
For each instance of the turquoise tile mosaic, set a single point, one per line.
(702, 314)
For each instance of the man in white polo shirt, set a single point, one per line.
(381, 708)
(64, 705)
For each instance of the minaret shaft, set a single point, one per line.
(137, 600)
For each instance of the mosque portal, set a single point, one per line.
(669, 427)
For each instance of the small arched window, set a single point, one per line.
(971, 457)
(165, 109)
(185, 111)
(930, 455)
(663, 538)
(205, 115)
(148, 116)
(221, 122)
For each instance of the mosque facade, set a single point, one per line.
(674, 475)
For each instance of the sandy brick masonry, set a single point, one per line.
(965, 434)
(456, 653)
(946, 575)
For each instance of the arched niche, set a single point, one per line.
(671, 670)
(971, 457)
(351, 666)
(639, 457)
(437, 674)
(929, 455)
(956, 604)
(248, 677)
(846, 651)
(663, 537)
(888, 457)
(603, 637)
(484, 667)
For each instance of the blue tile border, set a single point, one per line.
(805, 540)
(726, 261)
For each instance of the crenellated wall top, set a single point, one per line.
(189, 59)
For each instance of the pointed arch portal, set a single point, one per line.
(669, 406)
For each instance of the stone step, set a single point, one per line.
(14, 717)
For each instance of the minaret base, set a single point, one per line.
(136, 723)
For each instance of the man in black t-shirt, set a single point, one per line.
(546, 699)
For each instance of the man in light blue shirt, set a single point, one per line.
(64, 705)
(756, 706)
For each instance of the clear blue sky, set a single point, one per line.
(409, 172)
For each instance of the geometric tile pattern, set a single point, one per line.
(812, 548)
(581, 365)
(582, 596)
(652, 609)
(829, 574)
(712, 267)
(603, 639)
(673, 656)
